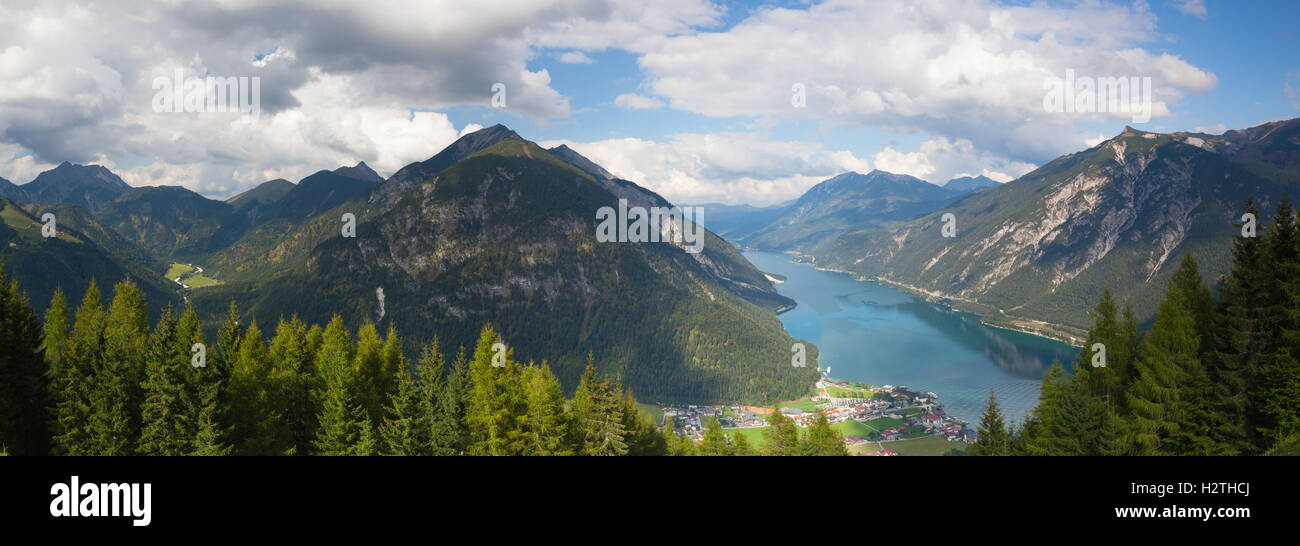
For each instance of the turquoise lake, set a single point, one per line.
(875, 334)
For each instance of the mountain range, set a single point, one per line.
(1035, 253)
(846, 203)
(493, 229)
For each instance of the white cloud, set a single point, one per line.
(971, 70)
(633, 101)
(1195, 8)
(724, 167)
(575, 57)
(1216, 129)
(939, 160)
(341, 81)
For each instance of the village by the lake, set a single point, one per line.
(888, 420)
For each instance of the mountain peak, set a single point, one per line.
(360, 171)
(91, 186)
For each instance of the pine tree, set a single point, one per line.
(56, 332)
(497, 403)
(547, 422)
(403, 431)
(166, 427)
(994, 437)
(23, 379)
(368, 366)
(343, 428)
(598, 421)
(740, 446)
(206, 390)
(781, 434)
(821, 440)
(1169, 411)
(1278, 395)
(437, 406)
(256, 407)
(643, 439)
(715, 442)
(116, 396)
(292, 371)
(73, 383)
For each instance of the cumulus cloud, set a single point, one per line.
(344, 81)
(724, 167)
(341, 81)
(971, 70)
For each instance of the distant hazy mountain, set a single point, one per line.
(843, 204)
(966, 184)
(497, 230)
(735, 221)
(1121, 214)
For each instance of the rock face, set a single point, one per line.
(1119, 215)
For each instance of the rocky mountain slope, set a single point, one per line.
(1037, 252)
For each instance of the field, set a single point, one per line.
(850, 427)
(931, 446)
(200, 281)
(840, 392)
(178, 270)
(653, 411)
(884, 423)
(186, 273)
(753, 434)
(805, 404)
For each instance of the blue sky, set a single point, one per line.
(691, 98)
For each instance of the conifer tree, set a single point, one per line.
(343, 428)
(403, 431)
(547, 422)
(56, 332)
(207, 389)
(821, 440)
(497, 403)
(74, 380)
(116, 396)
(715, 442)
(23, 380)
(994, 436)
(1169, 412)
(781, 434)
(166, 424)
(256, 405)
(292, 372)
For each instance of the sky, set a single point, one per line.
(702, 101)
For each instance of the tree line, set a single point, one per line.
(1218, 373)
(102, 381)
